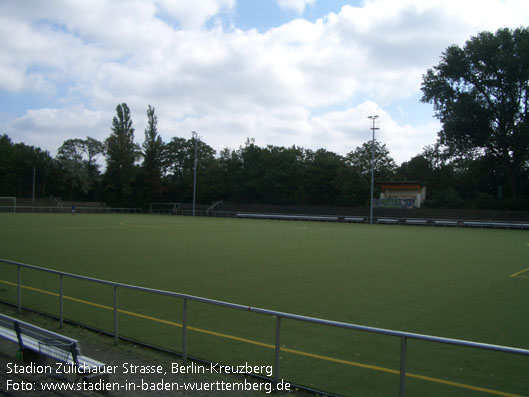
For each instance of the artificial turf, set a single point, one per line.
(450, 282)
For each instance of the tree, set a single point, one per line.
(361, 158)
(480, 94)
(230, 167)
(77, 158)
(71, 161)
(121, 153)
(270, 175)
(321, 182)
(418, 169)
(153, 157)
(359, 161)
(180, 157)
(23, 167)
(92, 148)
(6, 165)
(252, 171)
(283, 171)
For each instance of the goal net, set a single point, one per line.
(8, 204)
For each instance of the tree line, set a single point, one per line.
(480, 160)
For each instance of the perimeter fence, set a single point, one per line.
(68, 210)
(279, 317)
(428, 218)
(383, 220)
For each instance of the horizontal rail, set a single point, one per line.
(48, 209)
(314, 320)
(426, 221)
(288, 217)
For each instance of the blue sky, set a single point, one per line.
(285, 72)
(263, 15)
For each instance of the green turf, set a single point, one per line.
(447, 282)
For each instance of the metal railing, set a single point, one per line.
(67, 210)
(493, 224)
(523, 225)
(56, 201)
(214, 205)
(177, 212)
(404, 336)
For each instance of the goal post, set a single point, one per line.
(8, 204)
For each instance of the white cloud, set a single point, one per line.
(295, 5)
(48, 128)
(194, 14)
(349, 129)
(338, 131)
(306, 83)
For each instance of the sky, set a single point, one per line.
(283, 72)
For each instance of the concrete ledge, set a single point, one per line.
(289, 217)
(387, 220)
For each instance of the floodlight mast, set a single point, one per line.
(374, 126)
(195, 137)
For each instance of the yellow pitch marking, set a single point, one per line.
(517, 274)
(283, 349)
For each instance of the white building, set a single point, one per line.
(406, 194)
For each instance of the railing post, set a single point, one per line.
(61, 317)
(19, 289)
(278, 349)
(184, 332)
(116, 335)
(402, 391)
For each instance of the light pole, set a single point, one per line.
(195, 137)
(374, 126)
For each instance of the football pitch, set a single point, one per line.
(460, 283)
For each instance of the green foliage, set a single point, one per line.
(361, 160)
(17, 164)
(121, 153)
(417, 169)
(6, 156)
(480, 94)
(153, 158)
(71, 160)
(180, 163)
(77, 159)
(321, 177)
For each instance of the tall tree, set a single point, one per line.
(281, 183)
(359, 162)
(121, 153)
(92, 148)
(77, 158)
(180, 158)
(153, 157)
(361, 158)
(322, 170)
(71, 161)
(7, 165)
(480, 94)
(417, 169)
(23, 167)
(252, 170)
